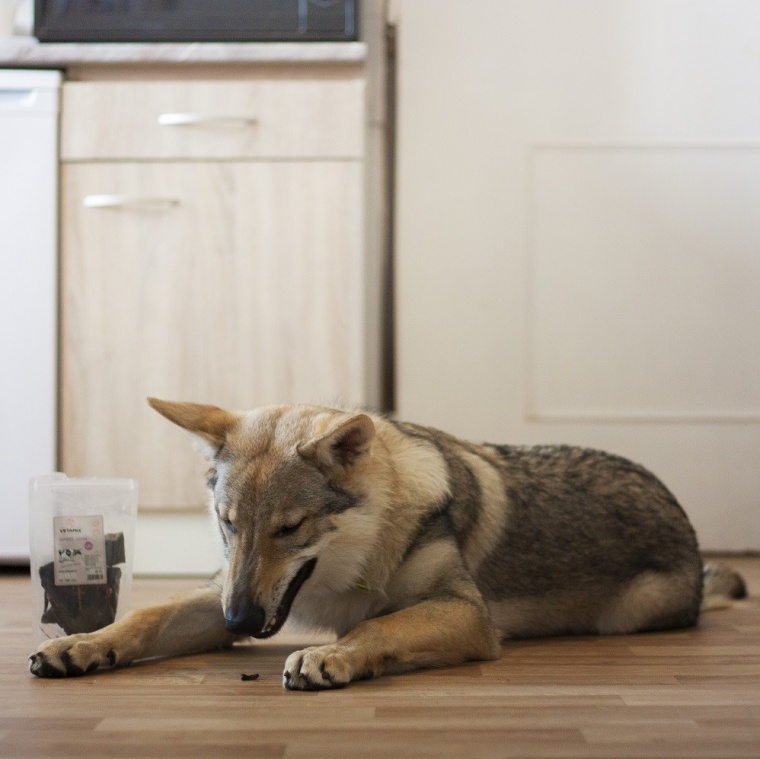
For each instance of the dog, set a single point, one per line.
(416, 548)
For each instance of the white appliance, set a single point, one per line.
(28, 295)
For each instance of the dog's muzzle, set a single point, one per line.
(243, 617)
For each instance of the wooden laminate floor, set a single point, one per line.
(693, 693)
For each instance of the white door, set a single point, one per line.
(578, 235)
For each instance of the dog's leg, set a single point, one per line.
(429, 634)
(188, 624)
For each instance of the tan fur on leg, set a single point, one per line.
(188, 624)
(430, 634)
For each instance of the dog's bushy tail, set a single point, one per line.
(720, 586)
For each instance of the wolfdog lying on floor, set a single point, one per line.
(418, 549)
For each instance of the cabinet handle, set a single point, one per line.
(14, 98)
(129, 201)
(199, 119)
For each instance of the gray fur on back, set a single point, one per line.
(581, 517)
(579, 520)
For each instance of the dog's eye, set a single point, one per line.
(230, 527)
(289, 529)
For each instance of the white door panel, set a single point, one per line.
(654, 252)
(578, 245)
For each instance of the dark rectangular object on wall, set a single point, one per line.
(195, 20)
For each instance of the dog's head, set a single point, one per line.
(282, 479)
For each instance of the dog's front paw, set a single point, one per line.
(71, 656)
(319, 667)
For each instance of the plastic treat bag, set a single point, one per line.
(81, 535)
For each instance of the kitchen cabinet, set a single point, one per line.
(29, 103)
(213, 248)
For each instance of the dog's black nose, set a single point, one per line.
(244, 618)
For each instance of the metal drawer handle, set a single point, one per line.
(199, 119)
(129, 201)
(14, 98)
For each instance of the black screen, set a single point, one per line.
(194, 20)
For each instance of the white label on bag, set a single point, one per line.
(79, 545)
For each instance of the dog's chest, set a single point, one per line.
(338, 612)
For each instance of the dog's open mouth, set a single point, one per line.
(278, 620)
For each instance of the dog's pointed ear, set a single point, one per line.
(342, 447)
(209, 424)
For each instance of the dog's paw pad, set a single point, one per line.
(41, 666)
(72, 656)
(317, 668)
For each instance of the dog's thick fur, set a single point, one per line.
(416, 548)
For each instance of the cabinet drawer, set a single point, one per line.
(181, 119)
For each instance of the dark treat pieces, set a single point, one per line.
(250, 677)
(85, 608)
(80, 608)
(115, 553)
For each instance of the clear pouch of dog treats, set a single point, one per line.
(81, 546)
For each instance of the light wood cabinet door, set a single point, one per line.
(238, 284)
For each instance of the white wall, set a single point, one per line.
(177, 545)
